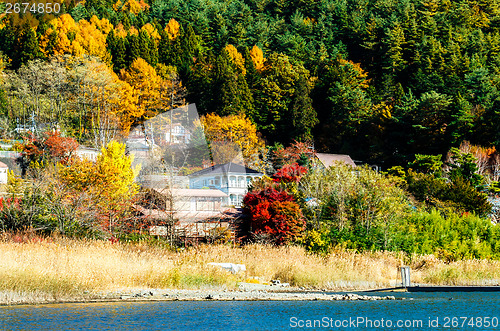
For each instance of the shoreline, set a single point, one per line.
(154, 295)
(63, 270)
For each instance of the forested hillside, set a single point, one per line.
(381, 80)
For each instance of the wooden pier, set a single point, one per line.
(453, 288)
(432, 288)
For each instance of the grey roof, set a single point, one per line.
(209, 193)
(329, 159)
(224, 169)
(137, 146)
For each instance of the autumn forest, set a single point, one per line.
(408, 86)
(380, 80)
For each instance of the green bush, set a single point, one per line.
(356, 208)
(459, 194)
(448, 235)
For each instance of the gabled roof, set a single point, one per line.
(329, 159)
(3, 165)
(224, 169)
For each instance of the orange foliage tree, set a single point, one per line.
(49, 147)
(65, 36)
(257, 57)
(151, 91)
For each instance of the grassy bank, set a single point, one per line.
(47, 269)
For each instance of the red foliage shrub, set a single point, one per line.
(50, 146)
(274, 213)
(59, 147)
(9, 202)
(293, 153)
(290, 173)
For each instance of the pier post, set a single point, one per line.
(405, 276)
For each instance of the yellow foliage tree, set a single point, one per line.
(150, 90)
(237, 58)
(103, 25)
(114, 175)
(233, 129)
(126, 103)
(133, 31)
(257, 57)
(89, 37)
(151, 31)
(61, 26)
(118, 5)
(92, 40)
(120, 31)
(109, 180)
(172, 29)
(132, 6)
(107, 102)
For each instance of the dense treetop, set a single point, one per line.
(381, 80)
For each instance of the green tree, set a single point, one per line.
(232, 95)
(286, 112)
(427, 164)
(464, 166)
(27, 47)
(133, 48)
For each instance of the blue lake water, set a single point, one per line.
(427, 311)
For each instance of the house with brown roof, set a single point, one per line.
(327, 160)
(188, 204)
(185, 213)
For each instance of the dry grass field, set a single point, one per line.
(50, 269)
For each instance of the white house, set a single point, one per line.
(3, 173)
(231, 178)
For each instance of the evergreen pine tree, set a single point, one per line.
(144, 50)
(8, 38)
(27, 48)
(231, 90)
(133, 48)
(304, 117)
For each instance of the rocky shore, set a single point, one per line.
(13, 298)
(227, 295)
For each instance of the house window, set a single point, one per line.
(232, 199)
(205, 205)
(232, 181)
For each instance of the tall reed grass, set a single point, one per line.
(48, 269)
